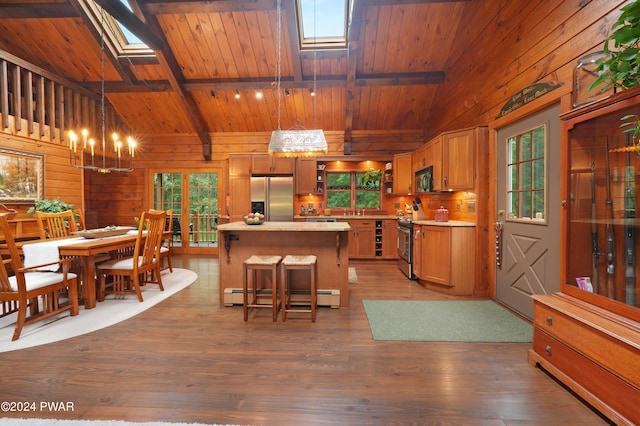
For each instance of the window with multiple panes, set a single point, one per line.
(526, 174)
(347, 189)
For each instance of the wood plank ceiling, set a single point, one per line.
(204, 52)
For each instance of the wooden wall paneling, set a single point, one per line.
(199, 51)
(212, 54)
(548, 56)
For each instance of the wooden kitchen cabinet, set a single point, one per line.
(265, 164)
(239, 186)
(588, 336)
(240, 164)
(419, 158)
(362, 239)
(454, 160)
(444, 257)
(306, 177)
(402, 174)
(239, 196)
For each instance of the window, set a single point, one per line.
(526, 175)
(123, 40)
(129, 37)
(323, 23)
(348, 190)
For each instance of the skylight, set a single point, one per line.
(326, 21)
(130, 37)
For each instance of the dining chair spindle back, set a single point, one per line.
(129, 273)
(38, 291)
(56, 225)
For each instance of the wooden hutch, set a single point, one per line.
(588, 334)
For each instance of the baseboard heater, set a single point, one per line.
(233, 296)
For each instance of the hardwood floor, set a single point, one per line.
(189, 359)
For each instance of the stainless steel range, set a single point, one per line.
(405, 246)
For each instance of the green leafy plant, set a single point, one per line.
(632, 127)
(50, 206)
(622, 68)
(371, 178)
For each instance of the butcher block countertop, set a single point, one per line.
(286, 226)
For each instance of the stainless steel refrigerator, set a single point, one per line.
(273, 197)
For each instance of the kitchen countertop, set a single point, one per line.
(287, 226)
(451, 223)
(342, 217)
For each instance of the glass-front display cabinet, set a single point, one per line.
(601, 227)
(588, 334)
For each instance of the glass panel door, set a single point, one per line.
(194, 197)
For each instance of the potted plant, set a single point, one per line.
(621, 69)
(371, 178)
(50, 206)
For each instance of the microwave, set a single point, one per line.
(424, 180)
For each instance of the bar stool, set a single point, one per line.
(251, 266)
(290, 263)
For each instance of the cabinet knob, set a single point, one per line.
(563, 203)
(548, 350)
(550, 320)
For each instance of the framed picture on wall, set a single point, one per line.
(21, 176)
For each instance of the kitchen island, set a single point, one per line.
(328, 241)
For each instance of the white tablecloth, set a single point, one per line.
(46, 252)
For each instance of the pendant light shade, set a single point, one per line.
(298, 143)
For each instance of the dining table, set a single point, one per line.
(86, 249)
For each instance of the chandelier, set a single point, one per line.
(83, 149)
(297, 141)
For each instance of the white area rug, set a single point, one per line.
(113, 310)
(53, 422)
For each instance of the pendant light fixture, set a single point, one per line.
(297, 141)
(84, 156)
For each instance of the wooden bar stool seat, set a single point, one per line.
(250, 279)
(305, 263)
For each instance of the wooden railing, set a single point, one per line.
(47, 104)
(203, 228)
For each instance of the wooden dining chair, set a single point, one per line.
(129, 273)
(79, 217)
(56, 225)
(30, 289)
(167, 238)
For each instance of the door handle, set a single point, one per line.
(498, 226)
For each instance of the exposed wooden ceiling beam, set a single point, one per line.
(37, 10)
(93, 22)
(171, 67)
(171, 7)
(405, 79)
(123, 15)
(289, 10)
(399, 2)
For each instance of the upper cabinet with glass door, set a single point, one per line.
(601, 230)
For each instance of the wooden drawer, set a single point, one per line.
(585, 332)
(611, 392)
